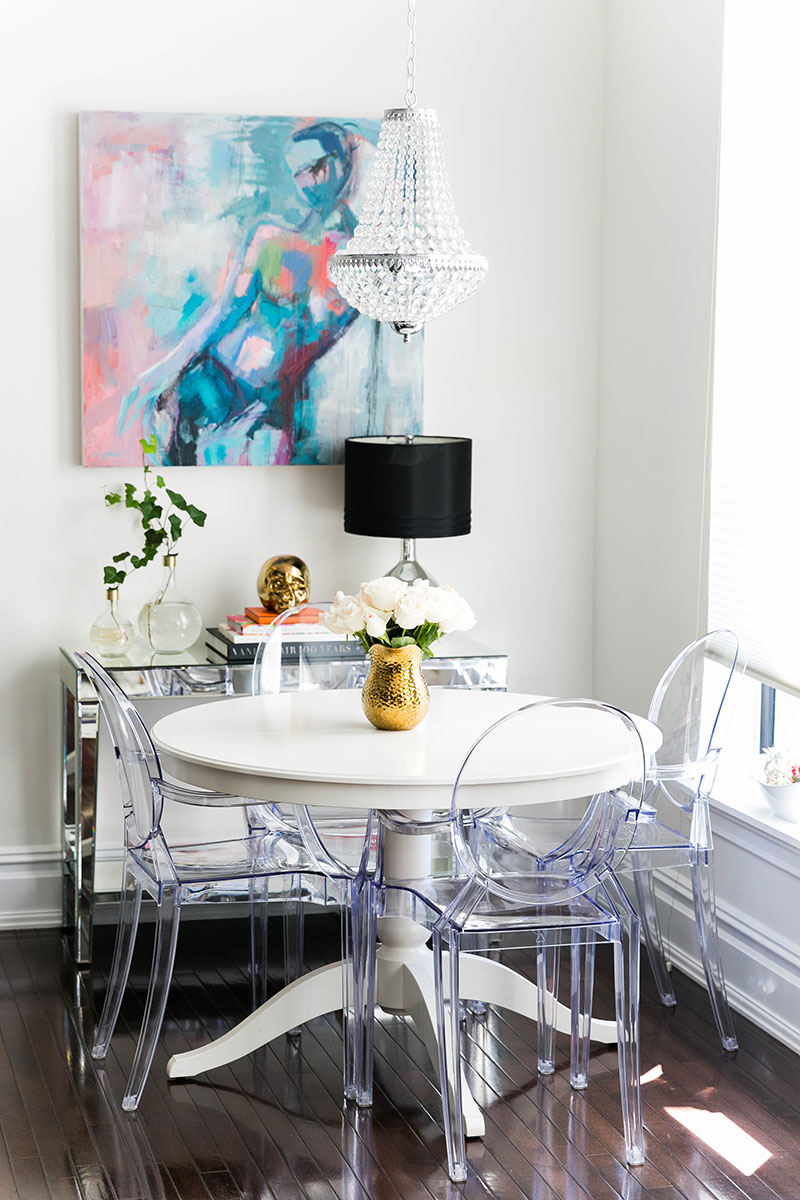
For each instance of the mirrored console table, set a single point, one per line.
(146, 676)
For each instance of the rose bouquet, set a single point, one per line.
(389, 612)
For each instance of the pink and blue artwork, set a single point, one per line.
(209, 320)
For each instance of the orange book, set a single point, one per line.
(259, 616)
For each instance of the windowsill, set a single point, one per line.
(740, 796)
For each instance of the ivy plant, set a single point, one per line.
(163, 513)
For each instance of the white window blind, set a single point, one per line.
(754, 533)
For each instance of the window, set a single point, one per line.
(754, 540)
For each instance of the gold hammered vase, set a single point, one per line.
(395, 694)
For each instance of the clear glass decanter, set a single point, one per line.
(169, 621)
(111, 635)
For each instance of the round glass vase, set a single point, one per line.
(111, 635)
(169, 621)
(395, 694)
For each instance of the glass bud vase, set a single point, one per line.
(169, 621)
(111, 635)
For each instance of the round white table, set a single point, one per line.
(317, 748)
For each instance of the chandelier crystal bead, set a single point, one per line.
(408, 259)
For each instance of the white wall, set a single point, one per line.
(519, 90)
(662, 108)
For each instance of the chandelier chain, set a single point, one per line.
(411, 95)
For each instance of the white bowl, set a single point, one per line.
(783, 799)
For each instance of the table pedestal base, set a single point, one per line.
(404, 985)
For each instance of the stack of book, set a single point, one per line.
(256, 620)
(237, 638)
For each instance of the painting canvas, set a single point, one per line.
(209, 320)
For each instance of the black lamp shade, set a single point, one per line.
(420, 488)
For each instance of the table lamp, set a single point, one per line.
(407, 487)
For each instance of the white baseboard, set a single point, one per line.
(30, 887)
(31, 882)
(761, 965)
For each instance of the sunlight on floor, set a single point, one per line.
(653, 1073)
(723, 1135)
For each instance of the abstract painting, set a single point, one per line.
(209, 320)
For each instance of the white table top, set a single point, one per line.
(316, 747)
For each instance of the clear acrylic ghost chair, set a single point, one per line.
(345, 830)
(691, 705)
(523, 899)
(174, 875)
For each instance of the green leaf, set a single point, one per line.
(178, 500)
(121, 557)
(175, 526)
(196, 514)
(113, 498)
(160, 481)
(397, 642)
(111, 576)
(150, 509)
(130, 497)
(148, 444)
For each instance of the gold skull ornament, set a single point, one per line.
(283, 582)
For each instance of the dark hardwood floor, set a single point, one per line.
(274, 1125)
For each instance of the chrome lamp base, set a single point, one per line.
(408, 569)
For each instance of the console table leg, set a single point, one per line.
(87, 715)
(79, 720)
(69, 818)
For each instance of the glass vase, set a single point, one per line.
(395, 694)
(169, 621)
(111, 635)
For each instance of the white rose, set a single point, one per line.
(331, 621)
(462, 619)
(442, 603)
(376, 626)
(411, 608)
(382, 594)
(346, 614)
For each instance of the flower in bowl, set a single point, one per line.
(779, 772)
(389, 612)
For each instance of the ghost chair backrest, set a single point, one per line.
(309, 666)
(533, 750)
(691, 705)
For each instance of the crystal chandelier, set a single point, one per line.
(408, 259)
